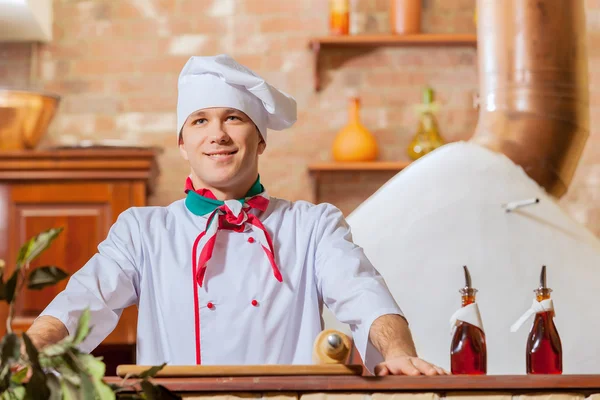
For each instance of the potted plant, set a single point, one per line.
(59, 371)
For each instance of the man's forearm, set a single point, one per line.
(391, 337)
(47, 330)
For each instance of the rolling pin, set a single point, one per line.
(331, 347)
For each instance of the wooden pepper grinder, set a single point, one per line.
(331, 347)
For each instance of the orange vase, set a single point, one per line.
(354, 142)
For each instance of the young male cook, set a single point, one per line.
(230, 275)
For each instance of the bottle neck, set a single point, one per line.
(428, 96)
(339, 6)
(428, 121)
(468, 296)
(542, 294)
(354, 110)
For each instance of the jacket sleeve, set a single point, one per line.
(106, 284)
(350, 286)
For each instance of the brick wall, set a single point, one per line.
(116, 64)
(15, 65)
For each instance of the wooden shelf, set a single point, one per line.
(317, 169)
(422, 39)
(432, 39)
(358, 166)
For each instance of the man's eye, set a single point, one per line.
(234, 117)
(199, 121)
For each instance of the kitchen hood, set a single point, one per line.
(25, 20)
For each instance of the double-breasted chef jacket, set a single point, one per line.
(246, 308)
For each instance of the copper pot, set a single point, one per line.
(25, 117)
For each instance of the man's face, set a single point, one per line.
(222, 146)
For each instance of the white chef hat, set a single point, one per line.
(220, 81)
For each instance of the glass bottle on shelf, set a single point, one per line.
(544, 348)
(468, 351)
(427, 137)
(339, 17)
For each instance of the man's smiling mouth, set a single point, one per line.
(219, 154)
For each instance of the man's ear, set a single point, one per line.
(262, 145)
(182, 149)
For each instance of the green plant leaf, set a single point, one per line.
(93, 365)
(19, 376)
(115, 388)
(150, 390)
(50, 362)
(37, 387)
(87, 388)
(151, 372)
(19, 392)
(24, 251)
(4, 378)
(166, 394)
(36, 245)
(32, 352)
(14, 393)
(158, 392)
(42, 277)
(58, 349)
(11, 348)
(104, 391)
(69, 376)
(10, 287)
(55, 387)
(83, 327)
(69, 391)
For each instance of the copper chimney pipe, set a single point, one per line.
(533, 86)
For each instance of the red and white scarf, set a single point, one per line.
(233, 215)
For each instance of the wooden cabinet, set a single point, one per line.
(83, 191)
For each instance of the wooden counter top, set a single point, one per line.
(490, 383)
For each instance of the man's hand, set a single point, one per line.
(406, 365)
(46, 330)
(391, 336)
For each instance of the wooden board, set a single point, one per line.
(244, 370)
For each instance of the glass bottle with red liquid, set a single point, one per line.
(468, 351)
(544, 349)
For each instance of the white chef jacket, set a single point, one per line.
(448, 208)
(246, 316)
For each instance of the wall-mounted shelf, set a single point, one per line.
(317, 169)
(423, 39)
